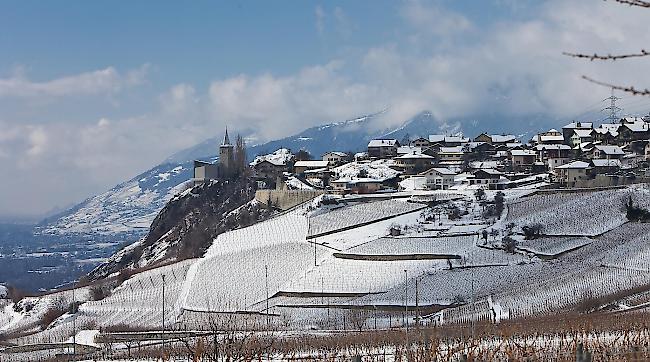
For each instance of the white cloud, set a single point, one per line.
(320, 19)
(107, 80)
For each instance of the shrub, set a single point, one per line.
(635, 213)
(509, 244)
(532, 231)
(99, 292)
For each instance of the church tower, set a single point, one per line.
(226, 156)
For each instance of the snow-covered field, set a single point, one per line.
(352, 261)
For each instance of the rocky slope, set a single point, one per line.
(189, 222)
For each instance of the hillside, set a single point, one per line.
(185, 227)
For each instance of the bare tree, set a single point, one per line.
(614, 57)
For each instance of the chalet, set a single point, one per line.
(522, 159)
(628, 132)
(269, 169)
(420, 142)
(413, 163)
(580, 136)
(602, 166)
(356, 186)
(383, 148)
(483, 137)
(569, 174)
(300, 167)
(567, 131)
(335, 158)
(438, 178)
(437, 139)
(486, 178)
(482, 149)
(404, 150)
(549, 137)
(605, 134)
(452, 141)
(451, 155)
(553, 155)
(607, 152)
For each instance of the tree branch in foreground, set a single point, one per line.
(640, 3)
(630, 89)
(595, 56)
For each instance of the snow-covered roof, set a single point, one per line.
(311, 164)
(378, 169)
(484, 164)
(552, 130)
(637, 126)
(610, 150)
(513, 144)
(551, 138)
(435, 138)
(440, 170)
(523, 153)
(336, 153)
(552, 147)
(456, 149)
(408, 149)
(382, 143)
(574, 165)
(456, 139)
(579, 125)
(280, 157)
(490, 171)
(582, 133)
(597, 162)
(503, 138)
(414, 156)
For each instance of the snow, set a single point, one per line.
(378, 170)
(280, 157)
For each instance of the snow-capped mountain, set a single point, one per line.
(130, 207)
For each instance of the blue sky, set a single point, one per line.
(93, 92)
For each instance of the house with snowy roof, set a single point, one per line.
(580, 136)
(487, 178)
(495, 139)
(608, 152)
(383, 148)
(299, 167)
(412, 163)
(603, 166)
(568, 130)
(553, 155)
(335, 158)
(551, 136)
(522, 159)
(438, 178)
(635, 131)
(571, 173)
(421, 142)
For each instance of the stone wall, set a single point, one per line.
(286, 199)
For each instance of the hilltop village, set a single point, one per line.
(580, 155)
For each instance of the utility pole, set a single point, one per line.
(266, 281)
(163, 314)
(406, 305)
(74, 322)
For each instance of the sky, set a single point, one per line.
(94, 92)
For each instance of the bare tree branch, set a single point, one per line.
(639, 3)
(630, 89)
(642, 53)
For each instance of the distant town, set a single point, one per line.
(579, 155)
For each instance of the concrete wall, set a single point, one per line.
(286, 199)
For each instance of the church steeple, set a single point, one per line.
(226, 139)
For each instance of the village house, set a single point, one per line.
(438, 178)
(420, 142)
(335, 158)
(608, 152)
(383, 148)
(568, 130)
(300, 167)
(356, 186)
(522, 159)
(580, 136)
(495, 139)
(567, 175)
(603, 166)
(269, 169)
(606, 134)
(451, 155)
(486, 178)
(403, 150)
(635, 131)
(553, 155)
(549, 137)
(413, 163)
